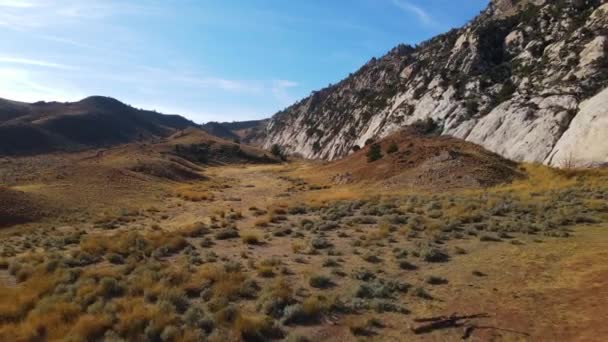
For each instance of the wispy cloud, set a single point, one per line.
(422, 15)
(23, 85)
(221, 83)
(280, 91)
(16, 3)
(34, 62)
(27, 15)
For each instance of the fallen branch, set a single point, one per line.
(443, 322)
(431, 324)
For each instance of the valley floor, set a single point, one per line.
(277, 251)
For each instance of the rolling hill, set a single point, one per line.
(42, 127)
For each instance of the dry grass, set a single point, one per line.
(224, 284)
(134, 315)
(149, 291)
(251, 237)
(15, 302)
(541, 178)
(262, 222)
(90, 327)
(255, 327)
(194, 193)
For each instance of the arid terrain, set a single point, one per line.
(452, 187)
(148, 242)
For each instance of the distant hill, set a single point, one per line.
(219, 130)
(245, 131)
(42, 127)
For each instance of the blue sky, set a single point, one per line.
(205, 59)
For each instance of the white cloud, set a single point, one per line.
(22, 85)
(280, 91)
(419, 12)
(34, 62)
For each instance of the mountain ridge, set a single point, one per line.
(95, 121)
(511, 80)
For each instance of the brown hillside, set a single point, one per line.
(426, 161)
(42, 127)
(118, 177)
(181, 156)
(18, 207)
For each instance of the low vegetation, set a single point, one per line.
(258, 272)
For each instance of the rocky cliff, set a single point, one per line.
(525, 79)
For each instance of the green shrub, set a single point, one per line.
(435, 255)
(421, 293)
(407, 266)
(392, 148)
(374, 153)
(276, 151)
(434, 280)
(489, 238)
(228, 233)
(320, 281)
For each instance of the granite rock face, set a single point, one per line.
(585, 143)
(525, 79)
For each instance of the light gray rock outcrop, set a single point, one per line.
(514, 80)
(585, 143)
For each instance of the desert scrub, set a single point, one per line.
(362, 329)
(363, 220)
(276, 297)
(115, 258)
(90, 327)
(176, 297)
(266, 268)
(226, 234)
(297, 247)
(380, 288)
(223, 282)
(307, 224)
(435, 255)
(489, 238)
(331, 263)
(198, 229)
(371, 258)
(320, 281)
(257, 328)
(275, 218)
(421, 293)
(308, 312)
(251, 237)
(320, 243)
(407, 266)
(262, 222)
(282, 231)
(265, 271)
(435, 280)
(297, 210)
(329, 225)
